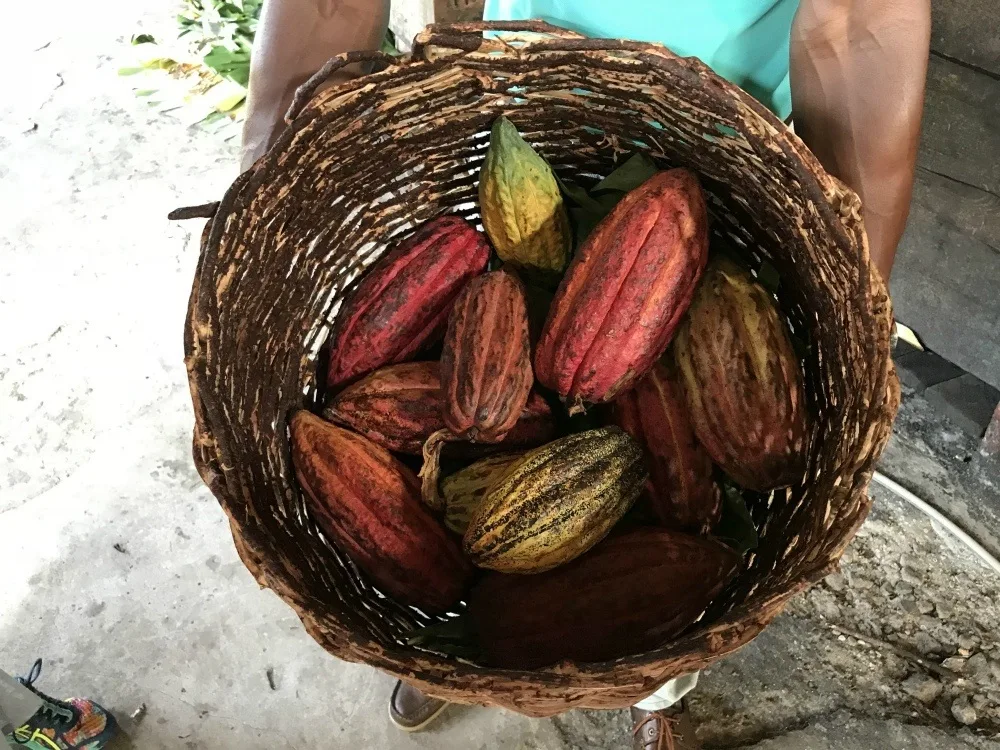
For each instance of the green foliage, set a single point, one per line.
(587, 208)
(222, 33)
(736, 527)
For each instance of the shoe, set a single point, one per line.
(670, 729)
(411, 710)
(76, 724)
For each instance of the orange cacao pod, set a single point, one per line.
(631, 593)
(486, 363)
(681, 489)
(625, 291)
(404, 300)
(742, 380)
(401, 406)
(368, 503)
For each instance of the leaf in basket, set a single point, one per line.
(451, 638)
(769, 277)
(578, 195)
(630, 175)
(736, 527)
(585, 219)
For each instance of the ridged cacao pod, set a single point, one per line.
(398, 406)
(464, 491)
(405, 299)
(632, 593)
(368, 503)
(486, 363)
(742, 380)
(522, 208)
(536, 427)
(681, 489)
(625, 292)
(401, 406)
(556, 502)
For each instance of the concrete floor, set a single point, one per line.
(116, 565)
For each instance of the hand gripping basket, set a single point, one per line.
(363, 163)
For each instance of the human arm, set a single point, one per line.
(294, 39)
(858, 69)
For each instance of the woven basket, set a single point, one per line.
(360, 165)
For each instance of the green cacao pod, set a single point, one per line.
(742, 380)
(521, 205)
(463, 491)
(556, 502)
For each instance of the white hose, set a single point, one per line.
(935, 515)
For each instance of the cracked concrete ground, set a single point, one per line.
(117, 566)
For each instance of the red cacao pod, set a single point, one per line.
(742, 380)
(631, 593)
(404, 300)
(368, 503)
(681, 489)
(625, 291)
(536, 427)
(486, 363)
(400, 406)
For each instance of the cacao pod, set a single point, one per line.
(464, 490)
(535, 427)
(522, 208)
(368, 504)
(742, 380)
(632, 593)
(486, 363)
(681, 489)
(401, 406)
(404, 300)
(398, 406)
(625, 291)
(556, 502)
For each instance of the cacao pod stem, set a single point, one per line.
(430, 472)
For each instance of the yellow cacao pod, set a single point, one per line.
(742, 380)
(556, 502)
(463, 491)
(521, 205)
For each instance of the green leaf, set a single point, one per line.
(130, 71)
(630, 175)
(578, 195)
(769, 277)
(143, 39)
(736, 526)
(230, 102)
(452, 638)
(232, 65)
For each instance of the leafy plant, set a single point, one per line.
(204, 73)
(222, 33)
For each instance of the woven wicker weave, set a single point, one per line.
(363, 163)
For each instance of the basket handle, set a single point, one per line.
(469, 36)
(306, 91)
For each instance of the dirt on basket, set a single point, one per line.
(909, 629)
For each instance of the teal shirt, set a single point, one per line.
(745, 41)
